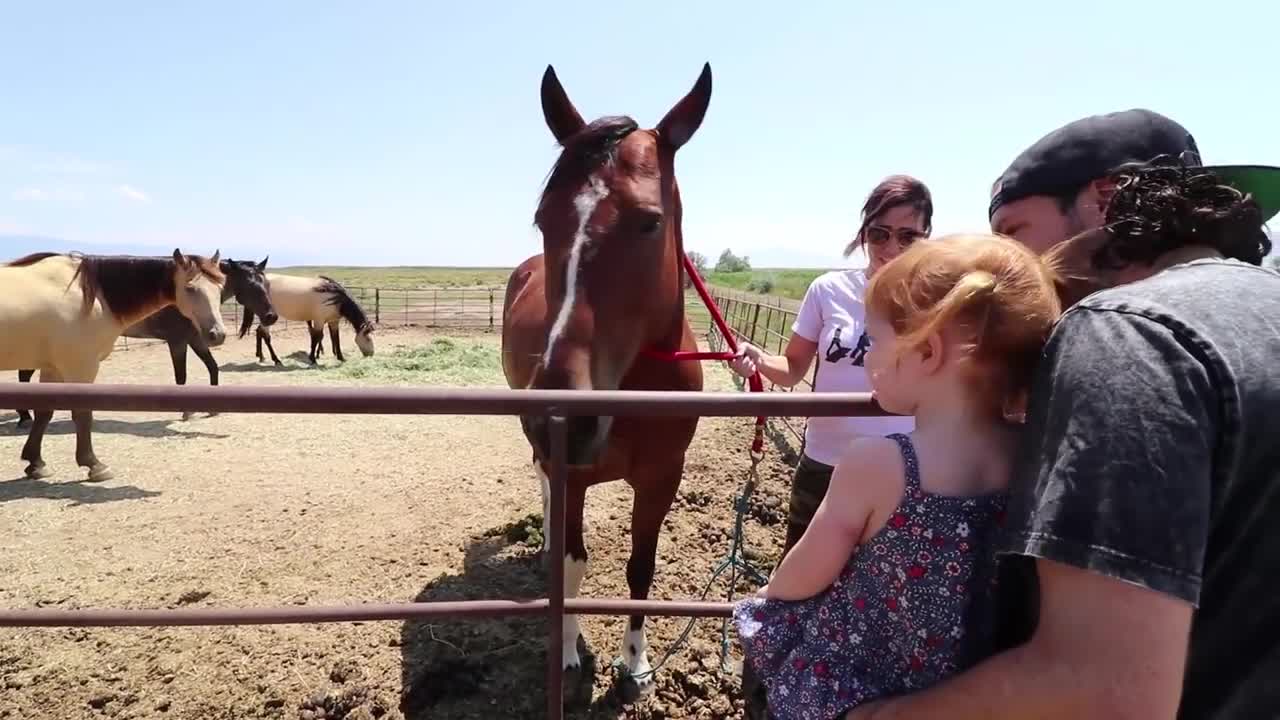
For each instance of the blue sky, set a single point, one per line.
(410, 133)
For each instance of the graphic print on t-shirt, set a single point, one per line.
(837, 352)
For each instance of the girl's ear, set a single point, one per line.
(932, 353)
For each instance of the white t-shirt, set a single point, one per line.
(832, 314)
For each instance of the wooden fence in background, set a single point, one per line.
(764, 321)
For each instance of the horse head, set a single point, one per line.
(247, 282)
(612, 250)
(197, 293)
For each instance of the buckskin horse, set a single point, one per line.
(246, 282)
(318, 301)
(584, 314)
(62, 313)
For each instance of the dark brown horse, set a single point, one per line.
(246, 282)
(608, 284)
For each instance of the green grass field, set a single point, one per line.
(785, 283)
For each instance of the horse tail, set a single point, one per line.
(348, 308)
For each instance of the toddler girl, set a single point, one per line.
(887, 590)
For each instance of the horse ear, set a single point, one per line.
(682, 121)
(216, 254)
(263, 265)
(561, 116)
(180, 259)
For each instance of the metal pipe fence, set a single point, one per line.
(556, 404)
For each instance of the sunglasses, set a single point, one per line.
(880, 234)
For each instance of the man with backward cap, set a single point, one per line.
(1142, 540)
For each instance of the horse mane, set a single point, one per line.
(347, 305)
(586, 151)
(128, 283)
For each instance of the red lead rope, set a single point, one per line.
(754, 382)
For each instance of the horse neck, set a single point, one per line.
(670, 325)
(230, 287)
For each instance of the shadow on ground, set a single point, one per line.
(293, 362)
(485, 668)
(169, 428)
(80, 492)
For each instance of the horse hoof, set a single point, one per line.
(100, 473)
(577, 685)
(38, 472)
(186, 416)
(631, 690)
(279, 363)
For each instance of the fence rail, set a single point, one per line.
(556, 404)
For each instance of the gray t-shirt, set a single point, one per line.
(1152, 454)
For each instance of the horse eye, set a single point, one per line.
(649, 223)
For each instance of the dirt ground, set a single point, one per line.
(239, 510)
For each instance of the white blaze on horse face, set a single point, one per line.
(585, 205)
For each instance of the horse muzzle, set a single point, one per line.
(584, 442)
(215, 337)
(270, 319)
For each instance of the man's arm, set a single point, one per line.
(1111, 497)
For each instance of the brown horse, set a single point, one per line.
(608, 284)
(61, 314)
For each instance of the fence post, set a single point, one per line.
(755, 318)
(555, 585)
(491, 309)
(377, 306)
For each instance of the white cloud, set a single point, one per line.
(133, 193)
(35, 194)
(9, 226)
(30, 195)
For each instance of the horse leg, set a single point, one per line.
(575, 560)
(85, 457)
(265, 335)
(654, 491)
(178, 354)
(337, 346)
(317, 336)
(36, 468)
(24, 417)
(258, 335)
(202, 351)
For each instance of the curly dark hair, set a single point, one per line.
(1165, 204)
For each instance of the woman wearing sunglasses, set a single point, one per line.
(830, 326)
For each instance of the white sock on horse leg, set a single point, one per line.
(635, 652)
(574, 571)
(546, 504)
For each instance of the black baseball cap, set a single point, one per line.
(1099, 145)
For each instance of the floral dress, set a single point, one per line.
(912, 606)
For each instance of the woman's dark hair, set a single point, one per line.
(1166, 205)
(894, 191)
